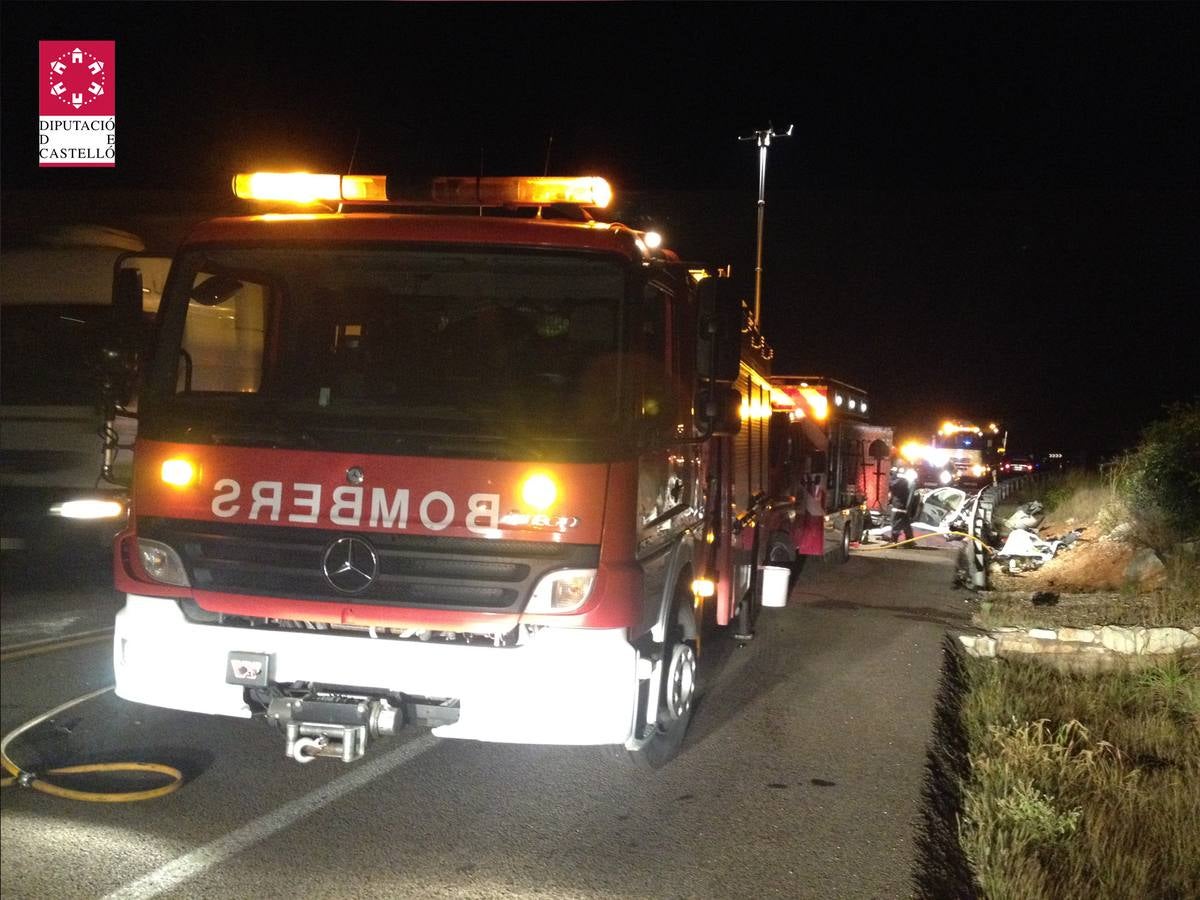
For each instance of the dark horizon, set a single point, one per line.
(984, 210)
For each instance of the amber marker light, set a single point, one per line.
(293, 187)
(818, 403)
(179, 472)
(309, 187)
(364, 187)
(539, 491)
(588, 190)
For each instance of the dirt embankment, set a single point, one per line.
(1090, 565)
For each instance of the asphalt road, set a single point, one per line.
(801, 776)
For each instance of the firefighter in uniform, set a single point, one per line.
(903, 500)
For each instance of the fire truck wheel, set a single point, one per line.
(677, 692)
(845, 557)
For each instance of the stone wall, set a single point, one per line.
(1095, 648)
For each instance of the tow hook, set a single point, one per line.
(306, 749)
(333, 728)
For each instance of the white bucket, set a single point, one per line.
(775, 586)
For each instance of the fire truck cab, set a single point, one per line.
(490, 473)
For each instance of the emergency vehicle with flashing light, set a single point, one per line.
(830, 465)
(496, 472)
(959, 453)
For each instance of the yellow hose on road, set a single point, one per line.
(922, 537)
(38, 783)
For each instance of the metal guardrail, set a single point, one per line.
(1013, 486)
(979, 519)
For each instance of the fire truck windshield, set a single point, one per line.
(379, 344)
(962, 440)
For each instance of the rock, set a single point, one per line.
(980, 645)
(1059, 647)
(1042, 634)
(1145, 566)
(1169, 640)
(1076, 635)
(1017, 643)
(1119, 533)
(1122, 640)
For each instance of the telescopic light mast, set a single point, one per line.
(763, 139)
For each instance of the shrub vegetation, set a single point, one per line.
(1159, 481)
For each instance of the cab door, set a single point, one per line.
(667, 489)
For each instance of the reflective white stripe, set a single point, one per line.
(188, 866)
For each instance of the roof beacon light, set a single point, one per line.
(523, 191)
(306, 187)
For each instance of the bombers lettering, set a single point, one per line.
(350, 505)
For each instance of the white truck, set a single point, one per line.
(56, 293)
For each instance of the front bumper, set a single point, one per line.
(565, 686)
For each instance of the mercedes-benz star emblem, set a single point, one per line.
(350, 565)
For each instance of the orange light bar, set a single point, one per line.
(516, 191)
(948, 428)
(307, 187)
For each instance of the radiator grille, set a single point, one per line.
(448, 573)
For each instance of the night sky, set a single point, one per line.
(986, 210)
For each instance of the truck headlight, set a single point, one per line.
(89, 509)
(562, 591)
(161, 562)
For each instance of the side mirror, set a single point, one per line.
(720, 317)
(120, 350)
(777, 438)
(720, 408)
(879, 450)
(819, 461)
(126, 302)
(215, 290)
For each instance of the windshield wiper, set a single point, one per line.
(278, 433)
(258, 438)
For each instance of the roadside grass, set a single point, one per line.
(1176, 603)
(1179, 599)
(1082, 786)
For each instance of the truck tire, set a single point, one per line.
(845, 551)
(677, 690)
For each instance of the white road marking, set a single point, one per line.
(188, 866)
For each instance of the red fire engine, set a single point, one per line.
(830, 464)
(494, 474)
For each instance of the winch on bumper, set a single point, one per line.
(563, 686)
(337, 727)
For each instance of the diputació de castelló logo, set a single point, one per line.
(77, 104)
